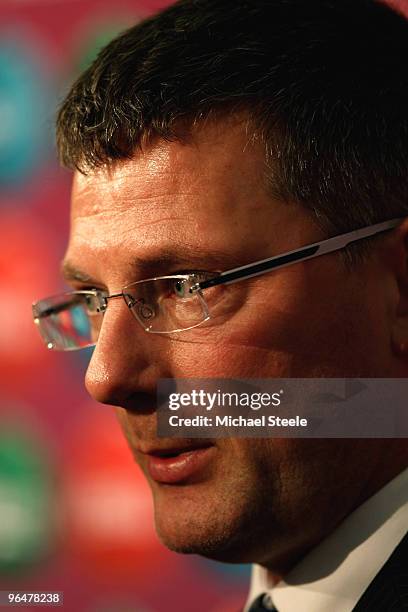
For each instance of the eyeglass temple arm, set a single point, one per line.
(280, 261)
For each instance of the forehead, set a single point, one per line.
(218, 161)
(209, 194)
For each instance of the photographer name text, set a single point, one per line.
(237, 421)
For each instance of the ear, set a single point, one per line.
(399, 260)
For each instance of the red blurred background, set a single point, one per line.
(75, 513)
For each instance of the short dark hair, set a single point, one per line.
(323, 82)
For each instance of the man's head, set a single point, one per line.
(217, 134)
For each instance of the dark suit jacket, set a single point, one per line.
(388, 592)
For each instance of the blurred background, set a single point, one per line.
(75, 513)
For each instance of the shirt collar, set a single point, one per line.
(335, 574)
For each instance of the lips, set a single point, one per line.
(172, 465)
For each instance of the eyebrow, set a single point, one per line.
(159, 264)
(71, 273)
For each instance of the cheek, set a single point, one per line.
(227, 360)
(264, 345)
(309, 322)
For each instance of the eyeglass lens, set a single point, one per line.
(162, 305)
(68, 322)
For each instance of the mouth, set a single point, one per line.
(178, 465)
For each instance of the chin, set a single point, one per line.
(216, 545)
(192, 523)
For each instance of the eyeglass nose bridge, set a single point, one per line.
(130, 301)
(103, 300)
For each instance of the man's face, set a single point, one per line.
(204, 206)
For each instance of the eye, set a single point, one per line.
(91, 303)
(180, 287)
(95, 301)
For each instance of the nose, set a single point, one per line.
(124, 364)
